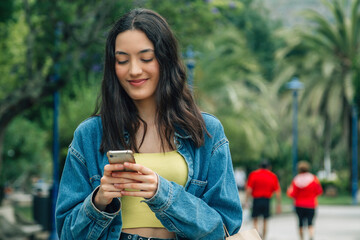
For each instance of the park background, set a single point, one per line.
(240, 54)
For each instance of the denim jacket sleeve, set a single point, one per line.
(202, 217)
(76, 215)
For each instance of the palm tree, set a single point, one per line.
(325, 56)
(229, 84)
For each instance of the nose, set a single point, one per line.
(135, 68)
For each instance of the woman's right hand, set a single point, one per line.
(107, 190)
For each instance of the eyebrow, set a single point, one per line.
(142, 51)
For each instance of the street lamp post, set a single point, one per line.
(56, 97)
(295, 85)
(190, 64)
(354, 180)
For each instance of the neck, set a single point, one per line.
(147, 111)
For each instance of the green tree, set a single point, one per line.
(40, 37)
(191, 21)
(232, 80)
(325, 57)
(6, 10)
(229, 80)
(27, 153)
(253, 19)
(30, 50)
(229, 84)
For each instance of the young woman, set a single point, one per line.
(182, 185)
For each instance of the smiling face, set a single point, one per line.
(136, 66)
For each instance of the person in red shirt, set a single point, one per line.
(304, 189)
(261, 185)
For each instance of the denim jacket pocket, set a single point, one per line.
(95, 181)
(197, 187)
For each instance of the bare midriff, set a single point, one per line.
(150, 232)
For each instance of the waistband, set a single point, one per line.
(128, 236)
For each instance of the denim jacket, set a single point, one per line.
(199, 210)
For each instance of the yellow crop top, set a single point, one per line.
(171, 166)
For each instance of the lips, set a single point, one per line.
(137, 82)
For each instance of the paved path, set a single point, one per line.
(331, 223)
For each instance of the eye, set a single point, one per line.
(147, 60)
(122, 62)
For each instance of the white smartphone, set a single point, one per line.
(120, 156)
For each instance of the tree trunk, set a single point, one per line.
(349, 145)
(2, 134)
(327, 146)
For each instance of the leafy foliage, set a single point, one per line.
(242, 61)
(191, 21)
(324, 56)
(6, 10)
(78, 52)
(236, 92)
(26, 152)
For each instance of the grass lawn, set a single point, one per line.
(25, 212)
(340, 199)
(337, 200)
(287, 203)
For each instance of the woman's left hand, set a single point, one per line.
(143, 180)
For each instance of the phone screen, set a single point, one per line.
(120, 156)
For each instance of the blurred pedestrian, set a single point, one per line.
(240, 178)
(304, 189)
(261, 185)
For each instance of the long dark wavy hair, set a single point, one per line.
(176, 107)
